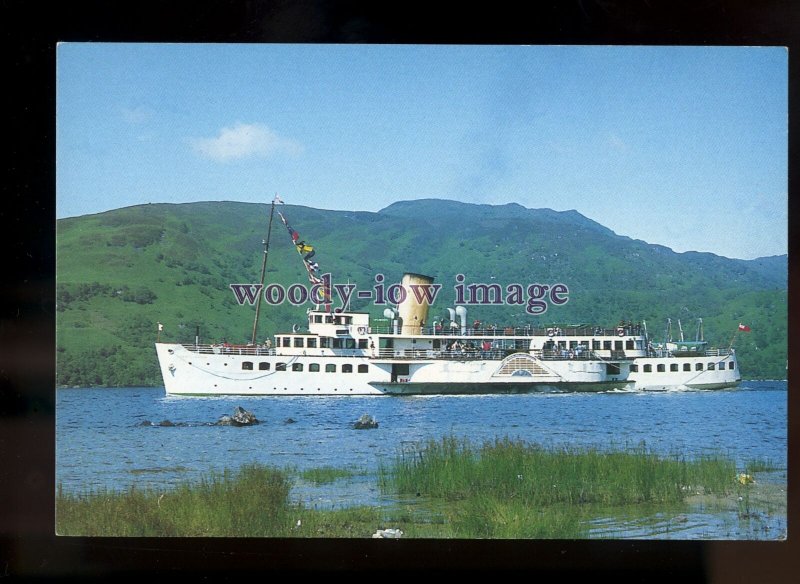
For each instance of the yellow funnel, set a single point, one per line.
(414, 314)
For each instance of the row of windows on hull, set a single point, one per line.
(661, 368)
(629, 345)
(324, 342)
(312, 367)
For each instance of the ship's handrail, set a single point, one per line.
(480, 354)
(707, 353)
(229, 349)
(718, 352)
(424, 354)
(508, 331)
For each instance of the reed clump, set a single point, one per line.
(453, 469)
(252, 501)
(511, 489)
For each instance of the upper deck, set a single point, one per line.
(350, 334)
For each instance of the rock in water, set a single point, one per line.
(241, 417)
(365, 422)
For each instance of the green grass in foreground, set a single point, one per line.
(503, 489)
(253, 502)
(513, 489)
(250, 502)
(454, 470)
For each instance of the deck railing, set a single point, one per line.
(478, 354)
(459, 354)
(526, 331)
(229, 349)
(706, 353)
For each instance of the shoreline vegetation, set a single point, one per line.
(449, 488)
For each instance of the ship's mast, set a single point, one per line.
(263, 272)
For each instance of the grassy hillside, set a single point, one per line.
(121, 272)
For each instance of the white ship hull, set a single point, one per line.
(700, 372)
(187, 372)
(247, 371)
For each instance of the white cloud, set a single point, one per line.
(243, 141)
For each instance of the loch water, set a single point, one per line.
(112, 438)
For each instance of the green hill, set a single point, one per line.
(120, 272)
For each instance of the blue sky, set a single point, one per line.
(681, 146)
